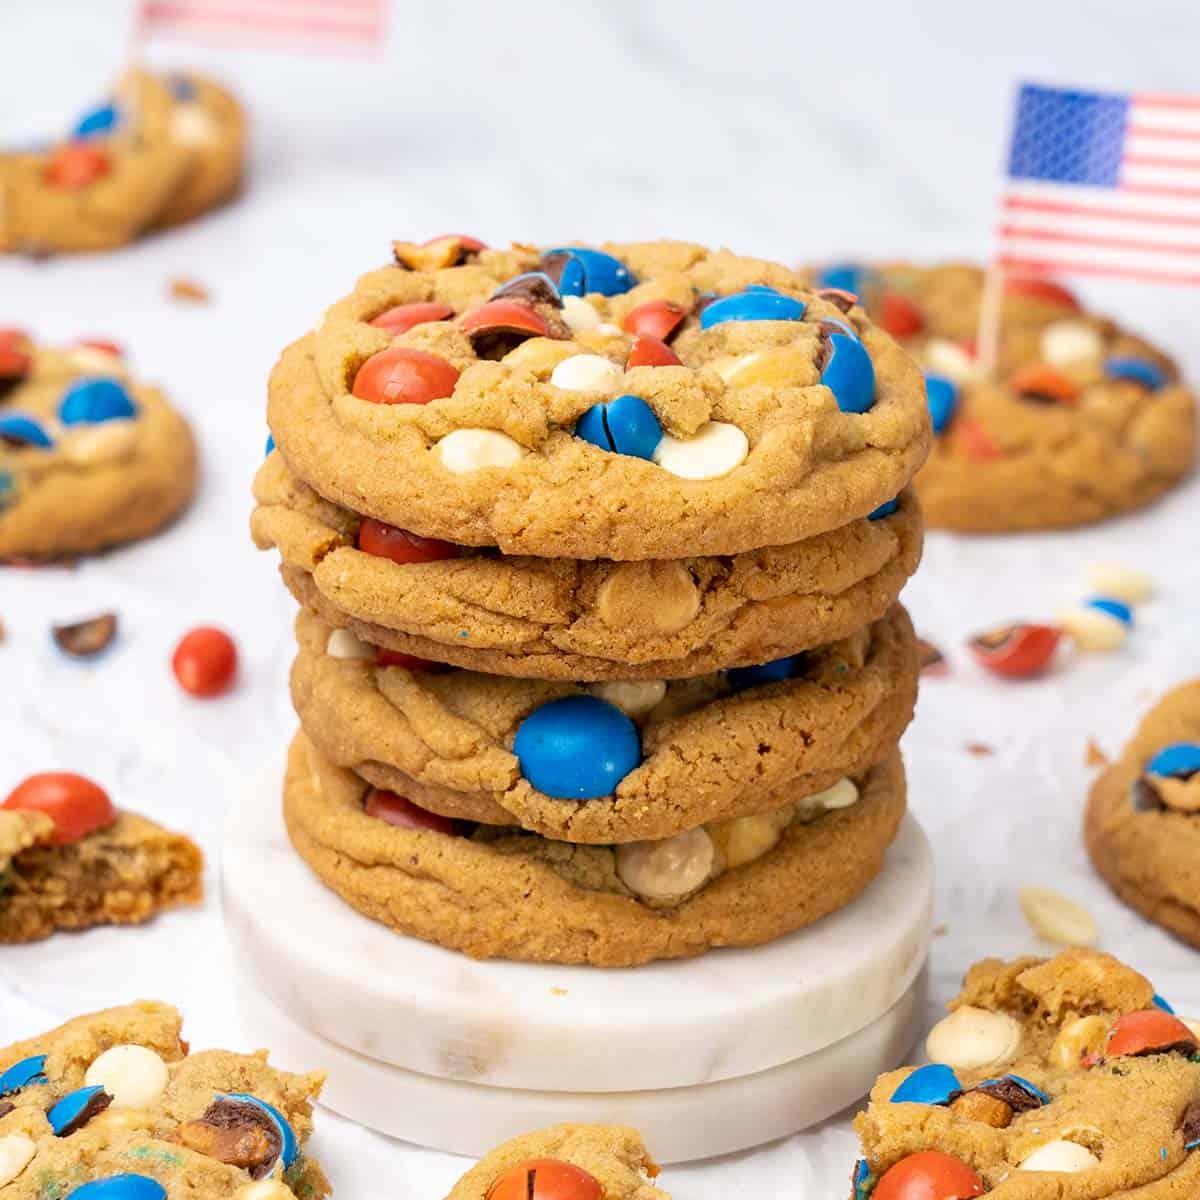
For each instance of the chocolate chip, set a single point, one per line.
(534, 287)
(1189, 1123)
(86, 639)
(553, 265)
(234, 1132)
(1145, 796)
(1014, 1094)
(97, 1102)
(838, 296)
(6, 1106)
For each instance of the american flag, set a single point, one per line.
(1103, 184)
(320, 24)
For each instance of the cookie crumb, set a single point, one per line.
(933, 661)
(558, 991)
(980, 749)
(183, 288)
(940, 930)
(1094, 756)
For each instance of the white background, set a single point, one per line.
(789, 130)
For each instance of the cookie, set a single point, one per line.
(89, 458)
(571, 619)
(117, 1094)
(536, 406)
(719, 746)
(495, 893)
(1081, 421)
(1052, 1079)
(104, 185)
(69, 860)
(565, 1162)
(1142, 823)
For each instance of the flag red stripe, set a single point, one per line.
(1160, 189)
(1161, 160)
(1063, 208)
(1172, 135)
(1064, 267)
(1087, 239)
(1166, 100)
(167, 12)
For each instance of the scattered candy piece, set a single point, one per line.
(577, 748)
(1044, 385)
(886, 509)
(646, 351)
(971, 1038)
(16, 429)
(189, 290)
(928, 1175)
(16, 1151)
(656, 318)
(403, 317)
(934, 1083)
(942, 394)
(545, 1179)
(445, 250)
(668, 869)
(99, 120)
(75, 804)
(86, 639)
(22, 1074)
(587, 373)
(388, 541)
(714, 450)
(205, 662)
(1066, 343)
(1136, 370)
(980, 749)
(1114, 608)
(752, 304)
(94, 400)
(1016, 651)
(134, 1076)
(950, 360)
(1093, 628)
(76, 1109)
(1150, 1031)
(1062, 1156)
(932, 660)
(403, 375)
(1058, 919)
(16, 353)
(499, 326)
(120, 1187)
(860, 1180)
(1122, 583)
(76, 165)
(899, 315)
(626, 425)
(1041, 289)
(398, 811)
(578, 270)
(464, 450)
(849, 374)
(741, 678)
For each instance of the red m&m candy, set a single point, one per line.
(410, 662)
(1041, 289)
(15, 353)
(1151, 1031)
(648, 351)
(75, 165)
(75, 804)
(900, 316)
(656, 318)
(205, 662)
(1042, 383)
(402, 375)
(546, 1179)
(1016, 651)
(396, 810)
(386, 541)
(928, 1175)
(403, 317)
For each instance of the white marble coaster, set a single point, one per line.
(678, 1124)
(725, 1014)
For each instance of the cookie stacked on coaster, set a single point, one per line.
(598, 552)
(1079, 421)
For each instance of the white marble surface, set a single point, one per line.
(780, 129)
(539, 1026)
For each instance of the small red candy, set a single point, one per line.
(404, 814)
(16, 355)
(205, 662)
(1016, 651)
(402, 375)
(410, 662)
(104, 345)
(928, 1175)
(900, 316)
(1039, 382)
(75, 804)
(656, 318)
(386, 541)
(1042, 289)
(402, 317)
(510, 317)
(975, 441)
(1151, 1031)
(75, 165)
(546, 1179)
(647, 351)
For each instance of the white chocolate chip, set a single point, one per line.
(1067, 342)
(1091, 629)
(715, 450)
(1062, 1156)
(972, 1038)
(265, 1189)
(16, 1150)
(1058, 919)
(105, 442)
(343, 644)
(134, 1076)
(609, 329)
(666, 870)
(467, 450)
(579, 315)
(587, 373)
(745, 839)
(1121, 583)
(843, 794)
(1083, 1036)
(730, 368)
(949, 360)
(635, 697)
(92, 358)
(191, 124)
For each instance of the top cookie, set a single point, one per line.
(529, 400)
(1080, 420)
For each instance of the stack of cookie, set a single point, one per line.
(598, 553)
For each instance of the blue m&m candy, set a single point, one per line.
(120, 1187)
(1159, 1002)
(943, 400)
(577, 748)
(1028, 1095)
(588, 270)
(19, 430)
(932, 1084)
(76, 1108)
(1114, 608)
(22, 1074)
(885, 510)
(1178, 759)
(846, 277)
(849, 374)
(270, 444)
(289, 1147)
(626, 425)
(771, 672)
(89, 401)
(1137, 370)
(756, 303)
(99, 120)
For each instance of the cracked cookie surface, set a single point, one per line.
(709, 751)
(496, 459)
(494, 893)
(1142, 829)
